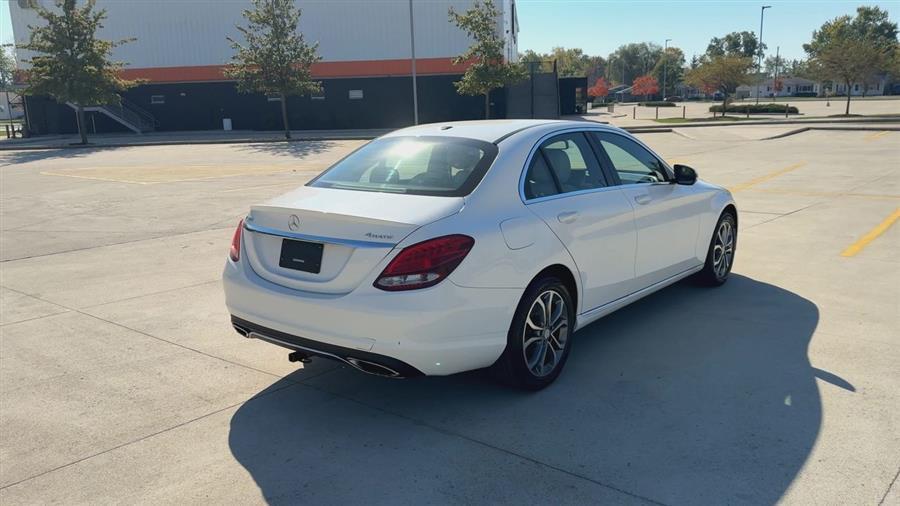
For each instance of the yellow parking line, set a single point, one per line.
(873, 234)
(47, 173)
(874, 196)
(771, 175)
(877, 135)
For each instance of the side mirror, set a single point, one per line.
(685, 175)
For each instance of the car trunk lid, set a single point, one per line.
(351, 231)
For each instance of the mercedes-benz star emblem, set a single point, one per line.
(294, 222)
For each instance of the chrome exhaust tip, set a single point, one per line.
(372, 368)
(241, 330)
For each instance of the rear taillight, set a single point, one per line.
(425, 264)
(235, 252)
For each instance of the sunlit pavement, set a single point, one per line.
(121, 380)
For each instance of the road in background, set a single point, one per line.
(623, 114)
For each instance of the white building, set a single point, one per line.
(800, 87)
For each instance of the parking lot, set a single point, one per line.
(121, 380)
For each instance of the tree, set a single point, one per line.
(7, 71)
(487, 68)
(849, 61)
(275, 59)
(870, 24)
(743, 44)
(570, 62)
(669, 68)
(632, 60)
(72, 65)
(721, 73)
(600, 89)
(645, 85)
(854, 50)
(775, 64)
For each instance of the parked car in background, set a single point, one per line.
(448, 247)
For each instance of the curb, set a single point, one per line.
(885, 119)
(835, 128)
(186, 143)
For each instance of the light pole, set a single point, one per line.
(762, 12)
(412, 46)
(665, 66)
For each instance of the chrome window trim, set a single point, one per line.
(353, 243)
(554, 133)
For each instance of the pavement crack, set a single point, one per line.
(151, 336)
(888, 491)
(88, 248)
(147, 436)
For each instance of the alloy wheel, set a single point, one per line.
(546, 333)
(723, 249)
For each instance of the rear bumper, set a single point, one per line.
(444, 329)
(367, 362)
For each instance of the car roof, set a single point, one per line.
(488, 130)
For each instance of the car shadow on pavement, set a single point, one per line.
(690, 396)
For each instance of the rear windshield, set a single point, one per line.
(439, 166)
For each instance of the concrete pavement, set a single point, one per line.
(122, 381)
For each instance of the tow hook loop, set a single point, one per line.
(297, 356)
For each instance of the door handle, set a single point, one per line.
(643, 199)
(567, 217)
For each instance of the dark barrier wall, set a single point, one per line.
(385, 103)
(569, 102)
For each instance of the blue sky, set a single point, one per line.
(600, 26)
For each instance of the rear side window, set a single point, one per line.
(563, 164)
(438, 166)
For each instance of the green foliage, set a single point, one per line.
(71, 64)
(657, 103)
(486, 69)
(854, 49)
(720, 74)
(570, 62)
(7, 69)
(274, 59)
(871, 24)
(756, 108)
(672, 61)
(632, 60)
(740, 44)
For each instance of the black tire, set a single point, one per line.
(713, 273)
(512, 367)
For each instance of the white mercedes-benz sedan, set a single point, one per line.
(448, 247)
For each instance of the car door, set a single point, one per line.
(565, 186)
(666, 215)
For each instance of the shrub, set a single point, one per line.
(756, 108)
(806, 94)
(658, 103)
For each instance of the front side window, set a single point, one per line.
(438, 166)
(631, 161)
(563, 164)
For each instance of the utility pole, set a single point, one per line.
(412, 45)
(665, 66)
(762, 12)
(775, 76)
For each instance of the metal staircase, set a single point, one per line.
(126, 113)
